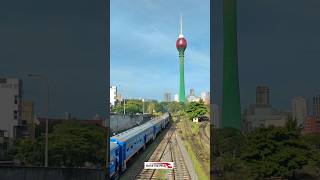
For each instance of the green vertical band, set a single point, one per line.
(231, 109)
(182, 97)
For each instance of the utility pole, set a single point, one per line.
(47, 112)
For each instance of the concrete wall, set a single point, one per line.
(120, 122)
(41, 173)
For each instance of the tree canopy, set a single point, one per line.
(196, 109)
(71, 144)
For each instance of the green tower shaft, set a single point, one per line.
(182, 97)
(231, 109)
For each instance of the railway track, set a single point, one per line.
(168, 146)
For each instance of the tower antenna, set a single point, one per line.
(180, 34)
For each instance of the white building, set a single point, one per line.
(113, 95)
(193, 99)
(299, 109)
(10, 107)
(203, 95)
(176, 98)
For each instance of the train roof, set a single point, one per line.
(124, 136)
(113, 146)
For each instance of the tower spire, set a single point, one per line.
(180, 34)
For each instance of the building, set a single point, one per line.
(263, 116)
(113, 95)
(167, 97)
(181, 45)
(203, 95)
(207, 100)
(316, 105)
(311, 125)
(28, 119)
(10, 106)
(192, 92)
(262, 95)
(299, 109)
(230, 104)
(193, 99)
(176, 97)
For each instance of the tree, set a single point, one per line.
(151, 107)
(292, 124)
(275, 152)
(196, 109)
(174, 107)
(227, 142)
(131, 107)
(71, 144)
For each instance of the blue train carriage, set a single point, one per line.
(114, 159)
(160, 122)
(131, 141)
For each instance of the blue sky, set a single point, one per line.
(143, 56)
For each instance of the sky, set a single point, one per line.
(279, 47)
(63, 40)
(144, 61)
(66, 41)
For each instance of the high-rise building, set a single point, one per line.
(262, 95)
(299, 109)
(176, 98)
(203, 95)
(192, 93)
(28, 119)
(167, 97)
(181, 45)
(10, 107)
(316, 105)
(231, 109)
(311, 125)
(113, 95)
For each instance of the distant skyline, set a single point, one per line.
(144, 60)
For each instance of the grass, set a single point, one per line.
(195, 128)
(194, 132)
(199, 170)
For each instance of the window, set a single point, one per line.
(15, 114)
(16, 99)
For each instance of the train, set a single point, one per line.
(125, 145)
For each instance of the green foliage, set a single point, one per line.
(196, 109)
(29, 152)
(131, 107)
(266, 153)
(71, 144)
(292, 125)
(174, 107)
(275, 152)
(227, 142)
